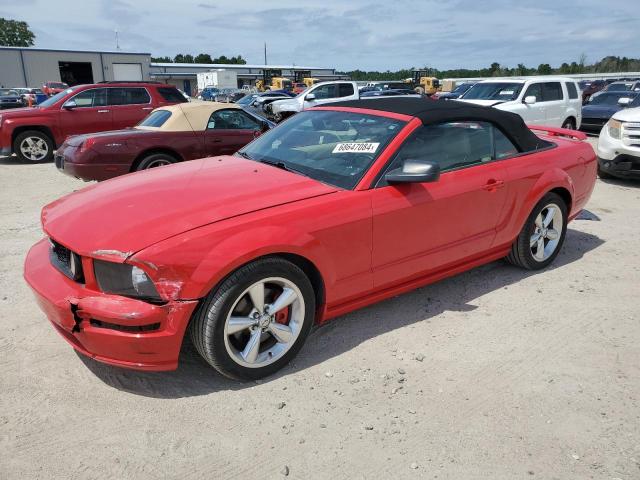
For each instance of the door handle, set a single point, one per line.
(103, 111)
(147, 108)
(493, 184)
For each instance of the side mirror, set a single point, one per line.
(624, 101)
(530, 100)
(70, 105)
(414, 171)
(310, 97)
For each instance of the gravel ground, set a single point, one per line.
(496, 373)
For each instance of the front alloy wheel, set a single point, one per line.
(256, 320)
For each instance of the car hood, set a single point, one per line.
(21, 112)
(121, 216)
(286, 101)
(599, 111)
(77, 140)
(628, 115)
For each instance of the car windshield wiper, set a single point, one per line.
(283, 166)
(244, 155)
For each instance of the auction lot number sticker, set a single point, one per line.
(356, 148)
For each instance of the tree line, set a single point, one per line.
(200, 58)
(608, 64)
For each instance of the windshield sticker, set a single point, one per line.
(506, 92)
(356, 148)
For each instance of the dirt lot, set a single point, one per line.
(496, 373)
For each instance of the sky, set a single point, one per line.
(346, 35)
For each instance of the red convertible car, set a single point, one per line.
(338, 207)
(167, 135)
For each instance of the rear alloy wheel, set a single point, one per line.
(542, 236)
(256, 320)
(569, 124)
(155, 160)
(33, 146)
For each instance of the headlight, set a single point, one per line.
(615, 129)
(124, 279)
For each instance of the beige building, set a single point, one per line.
(31, 67)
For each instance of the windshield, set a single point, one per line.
(332, 147)
(619, 87)
(611, 98)
(463, 87)
(6, 91)
(246, 100)
(58, 96)
(503, 91)
(57, 85)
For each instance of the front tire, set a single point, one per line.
(33, 146)
(569, 124)
(542, 236)
(256, 320)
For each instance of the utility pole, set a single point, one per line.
(265, 53)
(117, 42)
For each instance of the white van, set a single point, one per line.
(549, 101)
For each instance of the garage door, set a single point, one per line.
(127, 71)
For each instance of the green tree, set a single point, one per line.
(161, 60)
(183, 58)
(203, 58)
(544, 69)
(14, 33)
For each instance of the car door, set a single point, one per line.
(555, 105)
(533, 113)
(423, 227)
(228, 130)
(86, 112)
(129, 105)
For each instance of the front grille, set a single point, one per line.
(631, 134)
(66, 261)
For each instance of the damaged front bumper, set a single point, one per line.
(112, 329)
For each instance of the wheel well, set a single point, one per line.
(312, 273)
(153, 151)
(39, 128)
(572, 118)
(565, 195)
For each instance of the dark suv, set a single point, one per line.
(33, 133)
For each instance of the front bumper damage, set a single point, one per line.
(112, 329)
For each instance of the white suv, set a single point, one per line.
(619, 145)
(549, 101)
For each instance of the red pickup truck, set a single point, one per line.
(34, 133)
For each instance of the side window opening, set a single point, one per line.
(572, 90)
(231, 120)
(454, 145)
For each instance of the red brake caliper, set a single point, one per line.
(283, 315)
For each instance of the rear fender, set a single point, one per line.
(551, 179)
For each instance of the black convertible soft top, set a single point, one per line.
(438, 111)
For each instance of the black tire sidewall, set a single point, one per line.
(143, 165)
(529, 228)
(33, 133)
(214, 311)
(571, 122)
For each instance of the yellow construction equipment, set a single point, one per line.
(423, 83)
(309, 81)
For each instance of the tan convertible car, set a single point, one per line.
(185, 131)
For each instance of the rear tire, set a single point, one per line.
(256, 320)
(33, 146)
(155, 160)
(542, 235)
(569, 124)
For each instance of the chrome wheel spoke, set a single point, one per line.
(282, 333)
(256, 293)
(534, 239)
(552, 234)
(540, 249)
(286, 298)
(538, 220)
(251, 350)
(239, 324)
(551, 213)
